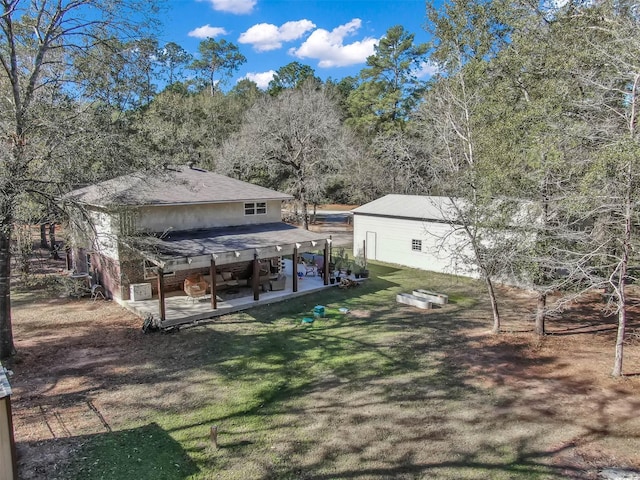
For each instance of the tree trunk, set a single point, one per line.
(494, 304)
(43, 236)
(622, 324)
(305, 208)
(52, 240)
(305, 215)
(6, 332)
(541, 313)
(52, 234)
(621, 293)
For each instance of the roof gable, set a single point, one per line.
(172, 186)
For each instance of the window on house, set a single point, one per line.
(151, 271)
(255, 208)
(416, 245)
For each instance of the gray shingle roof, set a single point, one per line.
(422, 207)
(173, 186)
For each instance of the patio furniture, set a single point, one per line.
(224, 279)
(307, 269)
(97, 290)
(278, 283)
(195, 287)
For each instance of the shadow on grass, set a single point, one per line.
(144, 453)
(527, 464)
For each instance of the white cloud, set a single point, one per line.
(238, 7)
(427, 69)
(207, 31)
(261, 79)
(266, 36)
(330, 50)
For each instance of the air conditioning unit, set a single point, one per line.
(139, 291)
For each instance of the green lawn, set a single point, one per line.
(376, 393)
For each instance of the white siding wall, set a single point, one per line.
(104, 237)
(190, 217)
(393, 243)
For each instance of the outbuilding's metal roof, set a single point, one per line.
(177, 185)
(421, 207)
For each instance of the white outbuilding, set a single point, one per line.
(413, 230)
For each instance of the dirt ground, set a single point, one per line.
(70, 350)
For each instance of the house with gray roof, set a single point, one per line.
(146, 233)
(417, 231)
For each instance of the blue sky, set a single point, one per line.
(334, 37)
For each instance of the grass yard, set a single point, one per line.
(385, 391)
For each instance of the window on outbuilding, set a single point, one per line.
(255, 208)
(416, 245)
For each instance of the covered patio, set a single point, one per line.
(180, 309)
(215, 250)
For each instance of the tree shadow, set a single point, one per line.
(146, 452)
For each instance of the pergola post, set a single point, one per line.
(325, 265)
(295, 268)
(212, 286)
(256, 277)
(161, 298)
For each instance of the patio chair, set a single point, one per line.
(97, 290)
(278, 283)
(195, 288)
(307, 269)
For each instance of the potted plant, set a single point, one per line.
(339, 263)
(361, 266)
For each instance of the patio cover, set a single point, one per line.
(190, 249)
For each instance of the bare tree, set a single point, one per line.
(292, 142)
(37, 39)
(447, 114)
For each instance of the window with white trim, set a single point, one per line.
(255, 208)
(416, 245)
